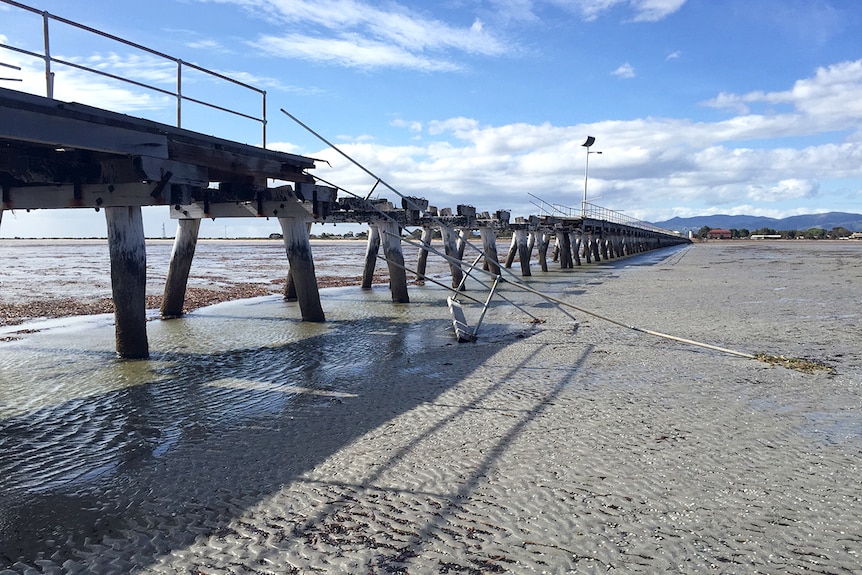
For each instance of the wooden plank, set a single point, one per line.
(61, 132)
(147, 168)
(269, 209)
(83, 196)
(227, 164)
(54, 119)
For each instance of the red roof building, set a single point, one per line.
(718, 234)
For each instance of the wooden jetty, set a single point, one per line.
(57, 154)
(64, 155)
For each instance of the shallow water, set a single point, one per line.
(81, 268)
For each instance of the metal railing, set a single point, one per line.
(49, 61)
(596, 212)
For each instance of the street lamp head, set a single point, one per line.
(589, 142)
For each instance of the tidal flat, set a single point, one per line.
(374, 442)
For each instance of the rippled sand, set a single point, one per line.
(253, 443)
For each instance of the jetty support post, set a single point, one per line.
(513, 249)
(586, 248)
(544, 239)
(604, 241)
(128, 253)
(422, 260)
(290, 284)
(450, 248)
(371, 251)
(595, 244)
(463, 238)
(489, 246)
(523, 251)
(565, 249)
(179, 267)
(391, 233)
(298, 247)
(575, 247)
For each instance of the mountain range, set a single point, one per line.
(827, 221)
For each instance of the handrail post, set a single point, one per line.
(179, 93)
(263, 122)
(49, 75)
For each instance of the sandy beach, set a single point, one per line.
(375, 443)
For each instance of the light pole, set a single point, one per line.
(587, 143)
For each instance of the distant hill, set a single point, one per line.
(827, 221)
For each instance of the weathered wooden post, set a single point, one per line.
(289, 283)
(595, 242)
(128, 253)
(422, 260)
(586, 248)
(179, 267)
(574, 244)
(463, 238)
(513, 249)
(489, 246)
(544, 241)
(391, 237)
(565, 249)
(450, 248)
(371, 251)
(523, 251)
(298, 248)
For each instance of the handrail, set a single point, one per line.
(177, 93)
(596, 212)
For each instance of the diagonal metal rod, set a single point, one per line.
(480, 282)
(426, 278)
(517, 282)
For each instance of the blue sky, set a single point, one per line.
(698, 106)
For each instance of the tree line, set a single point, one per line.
(809, 234)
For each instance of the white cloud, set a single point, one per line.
(624, 71)
(354, 33)
(352, 51)
(831, 94)
(653, 168)
(674, 55)
(655, 10)
(643, 10)
(414, 126)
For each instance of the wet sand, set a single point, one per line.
(557, 446)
